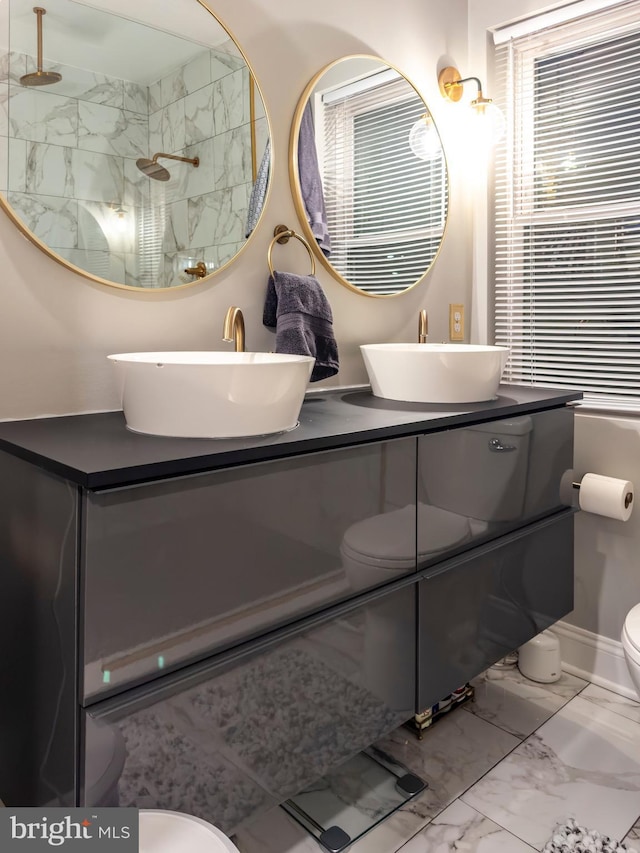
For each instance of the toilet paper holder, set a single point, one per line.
(628, 498)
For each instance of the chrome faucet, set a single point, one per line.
(423, 327)
(233, 329)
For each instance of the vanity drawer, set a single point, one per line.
(237, 738)
(479, 482)
(175, 570)
(479, 608)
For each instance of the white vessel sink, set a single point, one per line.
(212, 394)
(434, 373)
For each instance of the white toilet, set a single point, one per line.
(487, 484)
(175, 832)
(631, 645)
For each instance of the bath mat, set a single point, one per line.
(571, 838)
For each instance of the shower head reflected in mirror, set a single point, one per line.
(152, 169)
(40, 77)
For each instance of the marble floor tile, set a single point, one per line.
(582, 763)
(613, 702)
(453, 754)
(459, 827)
(519, 706)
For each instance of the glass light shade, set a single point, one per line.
(424, 140)
(490, 121)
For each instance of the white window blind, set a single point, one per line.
(386, 208)
(567, 207)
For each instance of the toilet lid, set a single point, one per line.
(390, 538)
(175, 832)
(632, 626)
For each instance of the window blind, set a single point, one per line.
(385, 207)
(567, 207)
(151, 226)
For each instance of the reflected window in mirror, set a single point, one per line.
(386, 205)
(136, 160)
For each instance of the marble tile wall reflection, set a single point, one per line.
(53, 220)
(108, 130)
(42, 116)
(225, 58)
(232, 157)
(104, 264)
(16, 177)
(198, 115)
(69, 148)
(83, 85)
(73, 144)
(15, 64)
(4, 162)
(202, 110)
(67, 172)
(4, 94)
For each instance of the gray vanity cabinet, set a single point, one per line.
(476, 608)
(211, 626)
(479, 482)
(118, 593)
(175, 570)
(498, 482)
(38, 632)
(232, 738)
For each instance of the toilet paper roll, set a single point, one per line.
(567, 493)
(606, 496)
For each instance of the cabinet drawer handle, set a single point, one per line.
(496, 446)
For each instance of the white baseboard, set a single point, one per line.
(594, 658)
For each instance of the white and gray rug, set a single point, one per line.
(571, 838)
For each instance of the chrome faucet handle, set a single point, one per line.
(423, 326)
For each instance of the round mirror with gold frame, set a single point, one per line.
(368, 175)
(134, 148)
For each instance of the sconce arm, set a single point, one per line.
(451, 84)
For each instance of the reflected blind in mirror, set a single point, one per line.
(386, 209)
(567, 214)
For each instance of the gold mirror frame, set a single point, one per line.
(294, 178)
(254, 92)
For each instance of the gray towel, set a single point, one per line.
(259, 191)
(310, 182)
(299, 311)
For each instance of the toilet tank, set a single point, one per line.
(478, 471)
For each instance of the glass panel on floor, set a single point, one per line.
(345, 804)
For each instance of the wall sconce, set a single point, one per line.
(424, 139)
(451, 86)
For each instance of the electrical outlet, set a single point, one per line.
(456, 322)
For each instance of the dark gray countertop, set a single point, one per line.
(98, 452)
